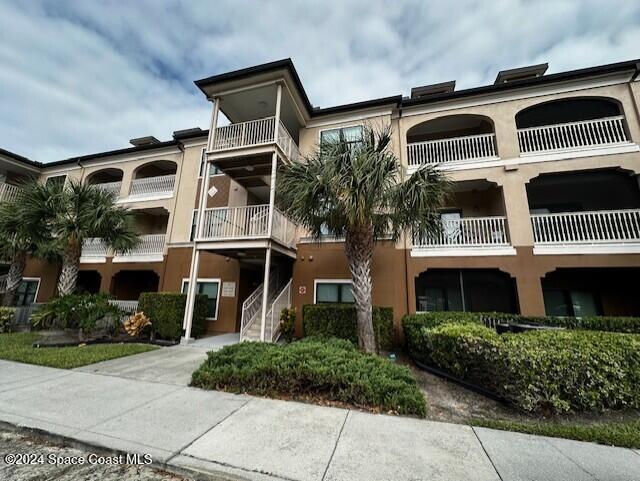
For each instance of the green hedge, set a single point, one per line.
(339, 320)
(7, 315)
(313, 369)
(166, 312)
(596, 323)
(538, 371)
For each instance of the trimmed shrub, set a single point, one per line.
(546, 371)
(288, 323)
(339, 320)
(316, 369)
(595, 323)
(76, 311)
(166, 312)
(6, 318)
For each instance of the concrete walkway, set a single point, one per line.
(237, 436)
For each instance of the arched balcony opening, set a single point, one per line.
(454, 138)
(154, 178)
(108, 180)
(570, 124)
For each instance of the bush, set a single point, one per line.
(75, 311)
(136, 324)
(548, 371)
(6, 318)
(288, 323)
(595, 323)
(166, 312)
(332, 370)
(339, 320)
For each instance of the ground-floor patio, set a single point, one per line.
(255, 438)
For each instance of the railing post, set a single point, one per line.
(265, 292)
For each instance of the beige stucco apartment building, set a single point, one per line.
(544, 215)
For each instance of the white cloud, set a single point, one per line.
(80, 77)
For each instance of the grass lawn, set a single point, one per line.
(625, 434)
(17, 347)
(329, 371)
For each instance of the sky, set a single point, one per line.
(79, 77)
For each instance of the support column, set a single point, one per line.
(530, 296)
(516, 204)
(265, 292)
(187, 322)
(274, 161)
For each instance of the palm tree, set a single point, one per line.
(75, 212)
(18, 241)
(357, 191)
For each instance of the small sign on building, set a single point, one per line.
(228, 289)
(302, 290)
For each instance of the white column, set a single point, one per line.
(187, 322)
(274, 160)
(265, 292)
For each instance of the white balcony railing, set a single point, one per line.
(250, 221)
(472, 147)
(244, 134)
(8, 192)
(589, 227)
(125, 307)
(286, 143)
(149, 245)
(148, 186)
(469, 232)
(113, 187)
(94, 247)
(573, 135)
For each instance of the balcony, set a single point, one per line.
(255, 133)
(157, 186)
(8, 192)
(150, 249)
(585, 134)
(247, 223)
(466, 236)
(111, 187)
(587, 231)
(457, 149)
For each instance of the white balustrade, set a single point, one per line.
(573, 135)
(149, 245)
(472, 147)
(286, 143)
(589, 227)
(147, 186)
(113, 187)
(282, 301)
(251, 309)
(244, 134)
(236, 222)
(126, 307)
(469, 232)
(283, 229)
(8, 192)
(94, 247)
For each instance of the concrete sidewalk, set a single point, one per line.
(244, 437)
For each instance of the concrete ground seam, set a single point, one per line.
(335, 447)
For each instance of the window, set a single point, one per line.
(194, 225)
(56, 180)
(566, 302)
(352, 135)
(210, 288)
(27, 291)
(333, 292)
(214, 169)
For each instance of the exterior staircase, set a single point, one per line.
(251, 326)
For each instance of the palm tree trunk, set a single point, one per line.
(359, 249)
(70, 267)
(14, 277)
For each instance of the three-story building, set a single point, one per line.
(544, 217)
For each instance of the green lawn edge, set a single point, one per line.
(624, 434)
(18, 347)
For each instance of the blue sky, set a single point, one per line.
(85, 76)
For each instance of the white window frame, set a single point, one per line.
(327, 281)
(201, 166)
(35, 298)
(207, 280)
(336, 127)
(56, 176)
